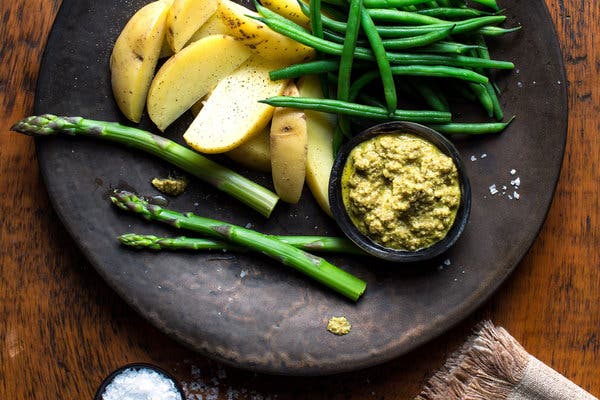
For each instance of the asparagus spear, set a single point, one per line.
(243, 189)
(306, 243)
(306, 263)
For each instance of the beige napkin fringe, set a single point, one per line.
(493, 365)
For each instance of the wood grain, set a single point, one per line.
(62, 329)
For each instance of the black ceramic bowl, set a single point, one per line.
(364, 242)
(137, 366)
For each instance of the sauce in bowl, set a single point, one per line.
(401, 191)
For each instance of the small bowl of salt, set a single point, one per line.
(139, 381)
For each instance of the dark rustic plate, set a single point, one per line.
(254, 313)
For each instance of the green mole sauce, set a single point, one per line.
(401, 191)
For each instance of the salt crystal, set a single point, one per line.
(516, 182)
(513, 171)
(493, 189)
(520, 84)
(248, 225)
(516, 195)
(484, 155)
(243, 274)
(447, 262)
(473, 158)
(141, 384)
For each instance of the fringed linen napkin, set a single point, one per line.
(492, 365)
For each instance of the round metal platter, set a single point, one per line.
(250, 311)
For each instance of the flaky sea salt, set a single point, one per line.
(141, 384)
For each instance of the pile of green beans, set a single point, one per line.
(409, 48)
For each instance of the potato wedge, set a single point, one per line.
(192, 73)
(288, 9)
(259, 37)
(319, 161)
(185, 18)
(214, 26)
(288, 149)
(232, 113)
(134, 58)
(254, 153)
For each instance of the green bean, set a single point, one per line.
(387, 79)
(498, 114)
(482, 51)
(403, 17)
(480, 24)
(417, 41)
(348, 48)
(460, 27)
(336, 2)
(436, 71)
(297, 33)
(452, 13)
(370, 100)
(483, 96)
(358, 110)
(433, 97)
(337, 140)
(359, 84)
(392, 3)
(339, 38)
(316, 25)
(471, 129)
(496, 30)
(308, 68)
(446, 47)
(346, 60)
(439, 71)
(465, 26)
(488, 3)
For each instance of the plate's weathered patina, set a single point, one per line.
(252, 312)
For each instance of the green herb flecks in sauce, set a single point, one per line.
(401, 191)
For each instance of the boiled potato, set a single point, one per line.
(232, 113)
(184, 19)
(214, 26)
(134, 58)
(288, 9)
(259, 37)
(288, 150)
(254, 153)
(319, 161)
(192, 73)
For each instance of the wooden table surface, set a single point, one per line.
(62, 329)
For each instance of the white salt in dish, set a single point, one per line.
(139, 381)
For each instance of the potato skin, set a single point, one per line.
(288, 9)
(288, 150)
(260, 38)
(134, 57)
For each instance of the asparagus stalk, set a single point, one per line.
(306, 243)
(306, 263)
(243, 189)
